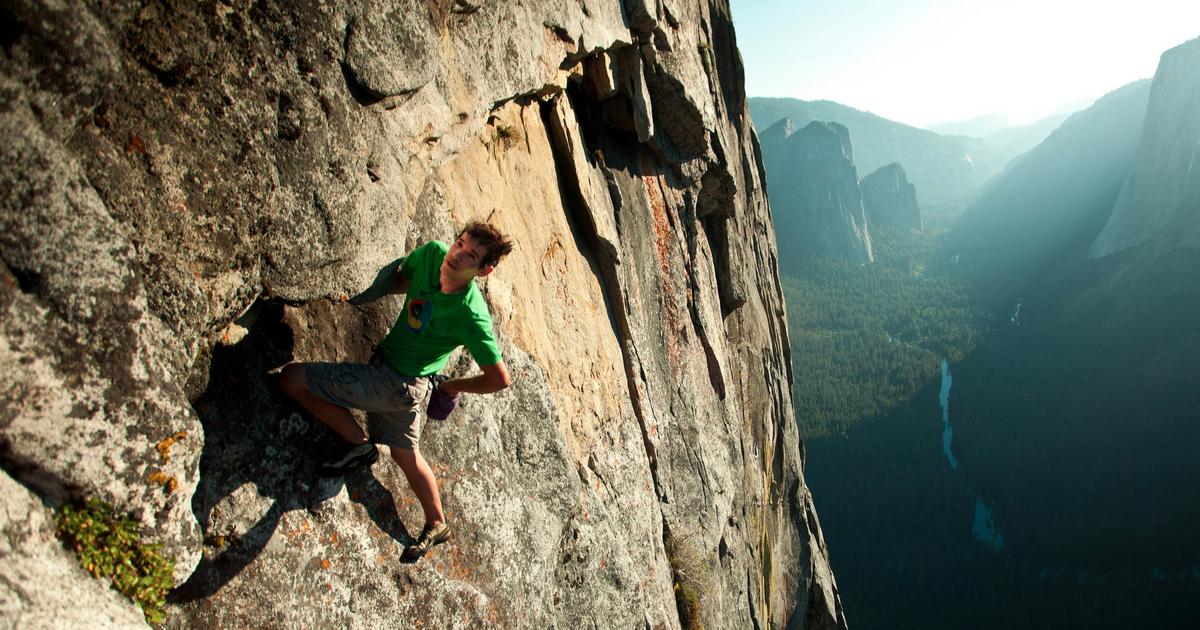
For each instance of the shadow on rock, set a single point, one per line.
(260, 459)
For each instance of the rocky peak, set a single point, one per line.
(776, 133)
(890, 199)
(821, 141)
(816, 201)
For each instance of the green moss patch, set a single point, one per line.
(108, 546)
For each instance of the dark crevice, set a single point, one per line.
(777, 443)
(604, 265)
(579, 221)
(715, 377)
(730, 291)
(28, 280)
(172, 76)
(363, 95)
(730, 73)
(751, 591)
(10, 29)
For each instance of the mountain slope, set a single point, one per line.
(1052, 201)
(978, 127)
(1017, 140)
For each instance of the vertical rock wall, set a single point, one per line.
(198, 193)
(1161, 193)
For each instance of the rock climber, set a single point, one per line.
(443, 309)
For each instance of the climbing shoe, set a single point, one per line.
(356, 456)
(430, 536)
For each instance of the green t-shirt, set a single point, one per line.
(432, 323)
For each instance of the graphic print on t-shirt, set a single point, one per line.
(419, 312)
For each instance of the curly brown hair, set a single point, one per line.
(498, 245)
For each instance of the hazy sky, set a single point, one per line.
(928, 61)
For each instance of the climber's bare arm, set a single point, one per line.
(494, 378)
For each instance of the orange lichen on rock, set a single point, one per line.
(295, 534)
(164, 447)
(163, 479)
(664, 240)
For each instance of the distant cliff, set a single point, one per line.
(946, 169)
(1161, 197)
(889, 198)
(813, 185)
(195, 194)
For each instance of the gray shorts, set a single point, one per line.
(392, 401)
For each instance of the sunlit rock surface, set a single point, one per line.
(196, 194)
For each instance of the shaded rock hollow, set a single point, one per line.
(194, 192)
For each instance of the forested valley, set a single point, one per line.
(1059, 509)
(867, 338)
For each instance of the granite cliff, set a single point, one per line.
(197, 193)
(1162, 193)
(813, 183)
(889, 198)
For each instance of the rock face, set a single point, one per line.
(192, 195)
(813, 184)
(889, 198)
(1162, 194)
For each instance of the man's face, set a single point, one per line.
(462, 261)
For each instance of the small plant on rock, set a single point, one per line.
(507, 134)
(689, 572)
(108, 545)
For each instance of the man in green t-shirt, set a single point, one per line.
(443, 309)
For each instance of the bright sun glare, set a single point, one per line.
(944, 60)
